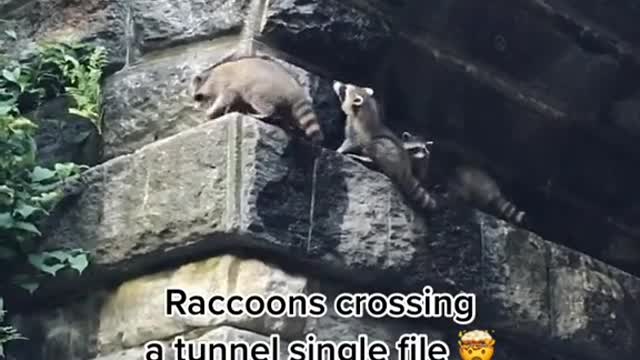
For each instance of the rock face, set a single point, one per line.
(540, 93)
(243, 176)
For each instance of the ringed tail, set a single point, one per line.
(417, 193)
(303, 112)
(508, 210)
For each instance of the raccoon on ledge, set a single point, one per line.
(466, 183)
(255, 85)
(366, 135)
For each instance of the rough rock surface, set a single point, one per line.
(102, 22)
(118, 323)
(542, 93)
(252, 188)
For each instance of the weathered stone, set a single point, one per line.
(151, 101)
(514, 268)
(134, 314)
(620, 18)
(64, 137)
(589, 305)
(249, 186)
(479, 114)
(161, 24)
(626, 115)
(333, 327)
(309, 29)
(313, 29)
(548, 61)
(100, 22)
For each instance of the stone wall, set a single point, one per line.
(236, 205)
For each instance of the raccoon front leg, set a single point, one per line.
(264, 109)
(364, 159)
(221, 104)
(348, 146)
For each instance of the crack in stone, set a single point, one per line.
(314, 178)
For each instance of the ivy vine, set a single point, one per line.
(29, 192)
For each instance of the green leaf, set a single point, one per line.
(59, 255)
(79, 262)
(22, 123)
(7, 195)
(46, 188)
(25, 210)
(65, 170)
(5, 108)
(9, 76)
(40, 174)
(48, 199)
(31, 287)
(26, 226)
(12, 34)
(39, 261)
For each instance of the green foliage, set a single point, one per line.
(81, 69)
(56, 69)
(29, 192)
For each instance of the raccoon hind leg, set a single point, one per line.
(263, 108)
(394, 162)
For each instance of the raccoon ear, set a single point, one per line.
(358, 100)
(369, 91)
(194, 88)
(196, 81)
(406, 136)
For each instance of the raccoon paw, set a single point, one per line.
(363, 159)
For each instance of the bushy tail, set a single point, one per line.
(302, 111)
(418, 194)
(507, 210)
(255, 19)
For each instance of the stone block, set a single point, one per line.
(102, 22)
(134, 313)
(239, 183)
(162, 24)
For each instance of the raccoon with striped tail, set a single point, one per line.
(256, 85)
(367, 136)
(467, 183)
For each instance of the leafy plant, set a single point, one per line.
(56, 69)
(29, 192)
(81, 68)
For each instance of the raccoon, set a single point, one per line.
(366, 135)
(478, 188)
(256, 85)
(467, 183)
(418, 149)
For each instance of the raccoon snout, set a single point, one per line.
(199, 97)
